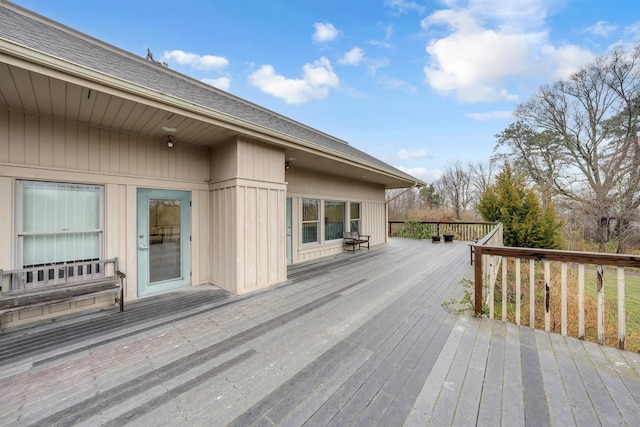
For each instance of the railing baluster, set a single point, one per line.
(564, 299)
(581, 332)
(504, 290)
(479, 280)
(492, 278)
(518, 291)
(547, 296)
(490, 252)
(621, 309)
(600, 283)
(532, 293)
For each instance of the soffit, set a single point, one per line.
(28, 91)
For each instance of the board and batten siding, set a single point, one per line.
(45, 142)
(306, 184)
(248, 197)
(40, 148)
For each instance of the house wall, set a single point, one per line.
(42, 148)
(306, 184)
(248, 223)
(238, 192)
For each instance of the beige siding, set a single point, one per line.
(112, 217)
(222, 257)
(224, 161)
(6, 219)
(261, 252)
(260, 161)
(374, 221)
(42, 148)
(248, 221)
(315, 185)
(4, 136)
(130, 253)
(238, 191)
(121, 247)
(49, 143)
(303, 182)
(200, 232)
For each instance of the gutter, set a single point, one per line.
(415, 185)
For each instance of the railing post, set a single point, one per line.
(477, 268)
(600, 302)
(621, 309)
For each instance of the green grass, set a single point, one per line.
(631, 296)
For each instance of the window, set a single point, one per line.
(354, 217)
(59, 222)
(310, 220)
(334, 219)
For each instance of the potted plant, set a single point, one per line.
(435, 238)
(448, 236)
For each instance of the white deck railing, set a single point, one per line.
(469, 231)
(493, 261)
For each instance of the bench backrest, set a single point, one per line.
(350, 235)
(51, 277)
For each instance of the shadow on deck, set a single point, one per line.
(350, 340)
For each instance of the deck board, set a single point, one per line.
(354, 339)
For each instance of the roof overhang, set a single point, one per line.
(35, 82)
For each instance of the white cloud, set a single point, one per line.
(512, 16)
(388, 32)
(403, 6)
(412, 155)
(381, 44)
(396, 84)
(490, 43)
(353, 57)
(601, 28)
(566, 59)
(199, 62)
(491, 115)
(423, 174)
(373, 65)
(223, 83)
(315, 83)
(325, 32)
(633, 29)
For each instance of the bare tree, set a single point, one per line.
(481, 176)
(578, 138)
(454, 187)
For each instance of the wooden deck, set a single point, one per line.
(357, 339)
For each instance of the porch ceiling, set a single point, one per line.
(48, 95)
(32, 92)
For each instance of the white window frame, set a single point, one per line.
(344, 218)
(19, 215)
(358, 219)
(316, 221)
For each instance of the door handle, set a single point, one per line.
(143, 247)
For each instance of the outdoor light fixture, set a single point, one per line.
(286, 166)
(170, 143)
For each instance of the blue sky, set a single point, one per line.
(418, 84)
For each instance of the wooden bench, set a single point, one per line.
(33, 287)
(354, 240)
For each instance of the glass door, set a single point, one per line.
(164, 234)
